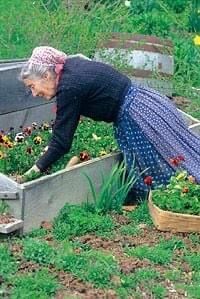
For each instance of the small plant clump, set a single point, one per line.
(8, 264)
(77, 221)
(92, 266)
(40, 284)
(181, 195)
(157, 254)
(38, 251)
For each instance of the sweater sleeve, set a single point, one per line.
(66, 122)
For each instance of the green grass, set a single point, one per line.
(76, 221)
(193, 259)
(39, 285)
(91, 266)
(38, 251)
(8, 265)
(141, 214)
(140, 276)
(173, 275)
(155, 254)
(130, 229)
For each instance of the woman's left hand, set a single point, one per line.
(22, 178)
(32, 170)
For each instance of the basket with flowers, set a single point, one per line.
(176, 207)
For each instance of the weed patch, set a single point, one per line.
(34, 285)
(76, 221)
(38, 251)
(91, 266)
(8, 264)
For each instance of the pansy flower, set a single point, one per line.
(37, 140)
(27, 131)
(8, 144)
(19, 137)
(5, 138)
(29, 150)
(176, 161)
(45, 126)
(34, 125)
(84, 156)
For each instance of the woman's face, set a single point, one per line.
(44, 87)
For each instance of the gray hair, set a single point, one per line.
(35, 71)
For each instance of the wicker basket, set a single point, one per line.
(174, 222)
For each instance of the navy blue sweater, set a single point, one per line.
(87, 88)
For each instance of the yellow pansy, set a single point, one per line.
(197, 40)
(9, 144)
(37, 140)
(5, 138)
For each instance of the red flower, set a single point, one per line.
(84, 156)
(174, 161)
(27, 131)
(177, 160)
(148, 180)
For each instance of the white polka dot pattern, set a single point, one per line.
(150, 131)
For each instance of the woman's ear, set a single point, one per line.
(47, 76)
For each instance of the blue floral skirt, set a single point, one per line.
(150, 131)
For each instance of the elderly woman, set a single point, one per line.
(149, 129)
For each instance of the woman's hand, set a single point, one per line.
(22, 178)
(32, 170)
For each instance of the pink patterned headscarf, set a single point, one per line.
(48, 56)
